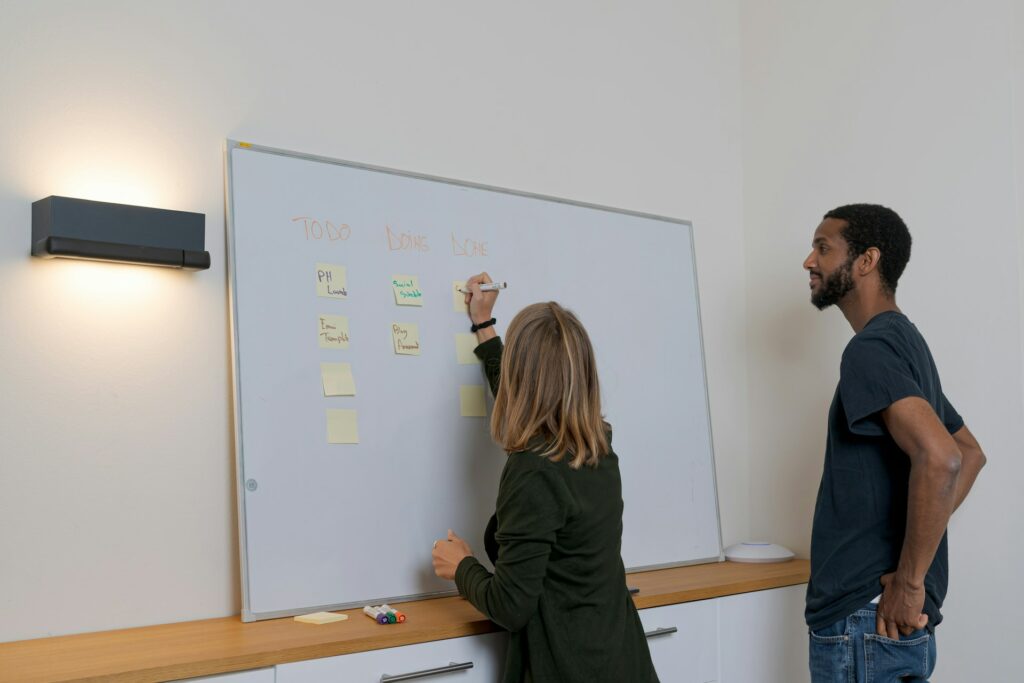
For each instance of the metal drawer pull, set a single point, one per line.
(661, 632)
(426, 672)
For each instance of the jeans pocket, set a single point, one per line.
(887, 660)
(831, 658)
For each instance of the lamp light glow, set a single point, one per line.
(84, 229)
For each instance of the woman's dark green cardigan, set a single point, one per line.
(559, 585)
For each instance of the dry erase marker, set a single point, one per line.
(487, 287)
(398, 615)
(391, 618)
(375, 615)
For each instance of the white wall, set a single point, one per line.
(906, 104)
(116, 477)
(116, 483)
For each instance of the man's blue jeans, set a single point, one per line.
(851, 651)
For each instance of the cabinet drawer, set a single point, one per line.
(437, 662)
(764, 636)
(684, 641)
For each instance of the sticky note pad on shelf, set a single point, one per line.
(333, 331)
(406, 338)
(330, 281)
(459, 299)
(471, 400)
(342, 426)
(407, 290)
(337, 379)
(465, 343)
(321, 618)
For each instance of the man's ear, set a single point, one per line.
(869, 260)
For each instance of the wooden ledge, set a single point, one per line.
(703, 581)
(212, 646)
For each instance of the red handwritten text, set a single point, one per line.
(315, 230)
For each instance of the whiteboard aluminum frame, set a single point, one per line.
(240, 481)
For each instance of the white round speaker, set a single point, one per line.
(758, 551)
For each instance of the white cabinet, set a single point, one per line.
(748, 638)
(762, 637)
(254, 676)
(476, 659)
(684, 641)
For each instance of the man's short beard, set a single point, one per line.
(835, 287)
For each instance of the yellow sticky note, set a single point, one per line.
(465, 343)
(459, 298)
(320, 618)
(333, 331)
(337, 379)
(407, 290)
(471, 400)
(406, 338)
(331, 281)
(342, 426)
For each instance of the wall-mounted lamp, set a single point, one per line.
(80, 228)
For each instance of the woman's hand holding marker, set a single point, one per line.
(481, 305)
(448, 553)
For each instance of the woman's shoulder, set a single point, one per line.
(536, 460)
(532, 480)
(534, 464)
(529, 460)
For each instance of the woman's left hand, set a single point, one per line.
(448, 553)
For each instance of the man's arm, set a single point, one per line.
(935, 464)
(973, 461)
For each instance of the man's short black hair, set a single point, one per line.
(873, 225)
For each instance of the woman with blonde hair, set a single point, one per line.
(559, 584)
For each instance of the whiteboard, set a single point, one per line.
(328, 525)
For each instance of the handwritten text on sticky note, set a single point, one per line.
(406, 338)
(407, 290)
(459, 298)
(333, 331)
(330, 281)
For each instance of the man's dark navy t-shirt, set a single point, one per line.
(861, 515)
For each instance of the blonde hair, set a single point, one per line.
(548, 395)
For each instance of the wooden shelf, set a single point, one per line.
(212, 646)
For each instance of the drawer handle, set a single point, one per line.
(426, 672)
(661, 632)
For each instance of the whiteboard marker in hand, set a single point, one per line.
(486, 287)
